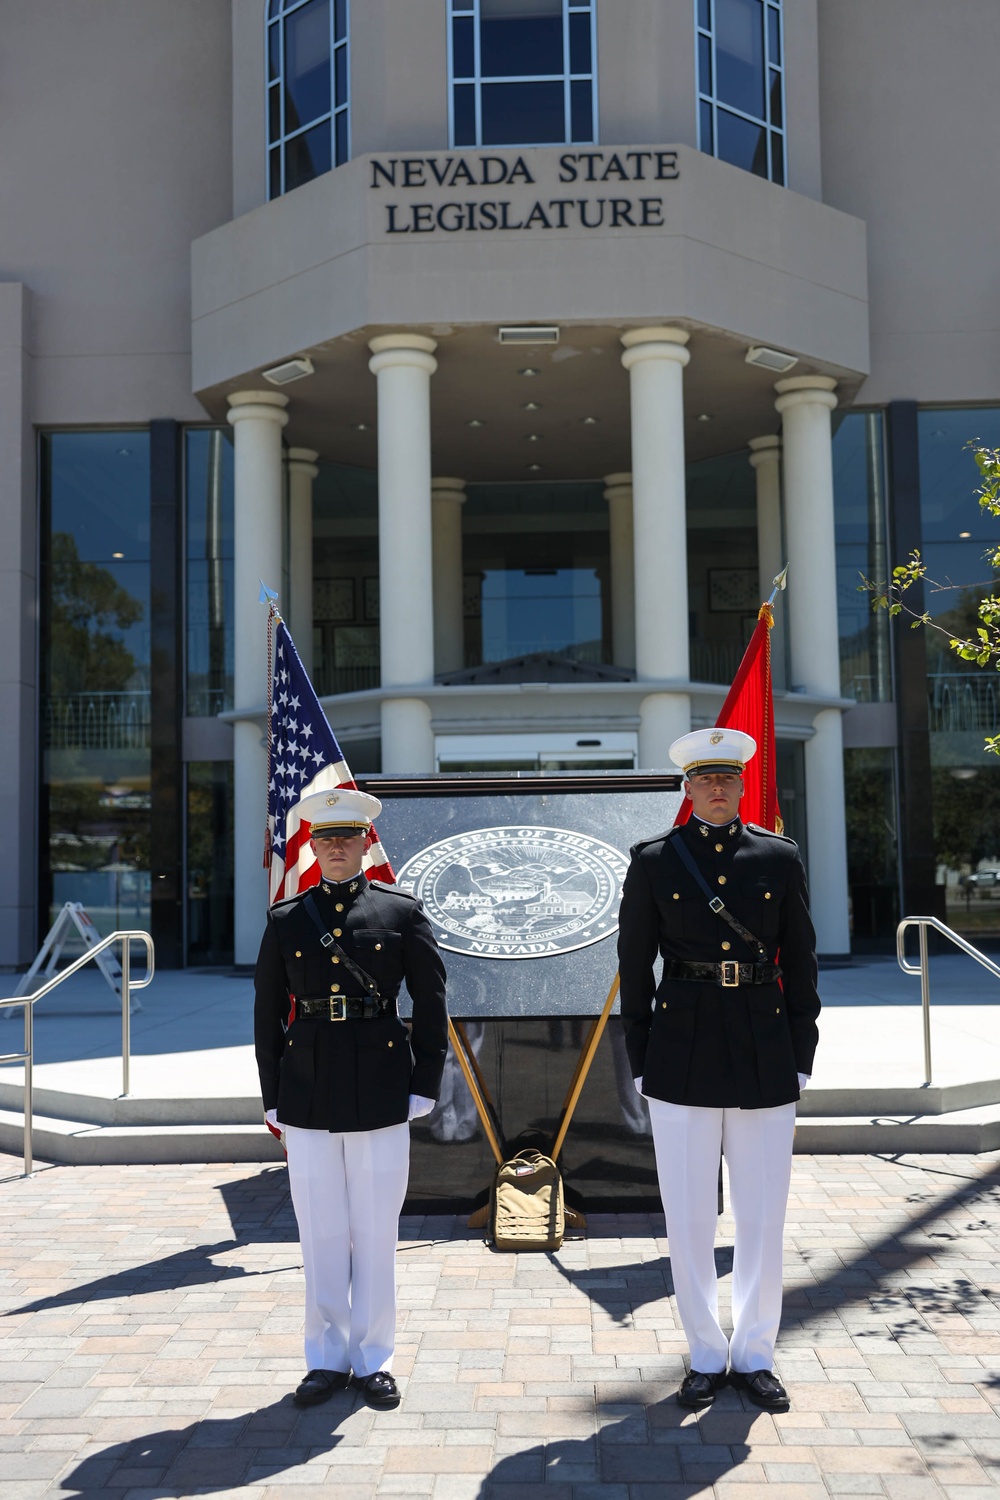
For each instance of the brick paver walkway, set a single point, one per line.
(149, 1338)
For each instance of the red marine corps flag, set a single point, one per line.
(749, 706)
(302, 757)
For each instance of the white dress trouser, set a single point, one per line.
(348, 1191)
(757, 1144)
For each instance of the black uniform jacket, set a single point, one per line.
(353, 1074)
(693, 1042)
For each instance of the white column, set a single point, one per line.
(655, 359)
(805, 403)
(302, 471)
(447, 499)
(258, 418)
(618, 494)
(403, 364)
(765, 458)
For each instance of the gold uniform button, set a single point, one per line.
(726, 947)
(335, 960)
(722, 879)
(337, 932)
(767, 895)
(339, 906)
(298, 953)
(335, 989)
(663, 1005)
(718, 848)
(390, 1044)
(677, 895)
(777, 1012)
(378, 947)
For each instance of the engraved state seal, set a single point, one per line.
(517, 892)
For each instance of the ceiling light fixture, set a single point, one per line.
(121, 554)
(523, 334)
(704, 417)
(589, 421)
(533, 437)
(361, 426)
(770, 359)
(531, 406)
(964, 534)
(475, 422)
(534, 466)
(527, 371)
(291, 369)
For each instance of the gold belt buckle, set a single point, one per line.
(730, 978)
(337, 1002)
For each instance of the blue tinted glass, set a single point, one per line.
(307, 64)
(705, 64)
(339, 20)
(706, 139)
(777, 160)
(340, 71)
(458, 5)
(99, 483)
(340, 137)
(464, 97)
(949, 478)
(307, 156)
(209, 547)
(274, 113)
(739, 54)
(274, 8)
(517, 114)
(704, 14)
(773, 35)
(274, 172)
(742, 143)
(463, 48)
(775, 100)
(579, 43)
(273, 53)
(581, 104)
(520, 46)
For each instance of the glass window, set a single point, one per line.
(723, 583)
(522, 72)
(536, 561)
(741, 109)
(208, 482)
(210, 862)
(345, 582)
(95, 660)
(308, 91)
(860, 532)
(963, 700)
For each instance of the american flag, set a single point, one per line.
(304, 757)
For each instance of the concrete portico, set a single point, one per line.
(412, 380)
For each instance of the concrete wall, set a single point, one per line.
(122, 116)
(911, 139)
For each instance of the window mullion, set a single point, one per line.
(478, 70)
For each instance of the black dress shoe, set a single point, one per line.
(698, 1390)
(320, 1385)
(764, 1389)
(379, 1390)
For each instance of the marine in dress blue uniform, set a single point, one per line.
(720, 1047)
(341, 1075)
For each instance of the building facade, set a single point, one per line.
(517, 344)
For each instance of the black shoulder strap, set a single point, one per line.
(716, 903)
(330, 943)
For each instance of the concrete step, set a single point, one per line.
(80, 1142)
(77, 1128)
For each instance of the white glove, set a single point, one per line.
(638, 1086)
(803, 1080)
(420, 1106)
(271, 1121)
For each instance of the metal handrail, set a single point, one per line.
(28, 1001)
(925, 979)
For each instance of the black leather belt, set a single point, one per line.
(341, 1008)
(728, 975)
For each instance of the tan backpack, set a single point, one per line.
(527, 1210)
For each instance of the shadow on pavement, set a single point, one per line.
(219, 1453)
(260, 1211)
